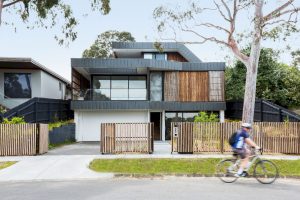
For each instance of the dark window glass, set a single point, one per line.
(156, 86)
(119, 88)
(17, 85)
(171, 117)
(101, 82)
(189, 117)
(101, 88)
(160, 56)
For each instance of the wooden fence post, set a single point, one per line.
(261, 110)
(222, 137)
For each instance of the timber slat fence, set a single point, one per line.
(126, 138)
(273, 137)
(23, 139)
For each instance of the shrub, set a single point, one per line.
(205, 117)
(14, 120)
(57, 124)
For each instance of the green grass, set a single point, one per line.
(53, 146)
(6, 164)
(155, 166)
(178, 166)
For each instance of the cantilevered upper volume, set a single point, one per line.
(125, 49)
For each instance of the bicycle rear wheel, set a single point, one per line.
(226, 170)
(265, 172)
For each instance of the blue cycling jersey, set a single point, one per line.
(240, 139)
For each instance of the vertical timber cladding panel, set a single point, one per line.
(216, 86)
(193, 86)
(174, 56)
(171, 86)
(79, 82)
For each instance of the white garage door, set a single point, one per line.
(88, 122)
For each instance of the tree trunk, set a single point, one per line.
(252, 65)
(1, 7)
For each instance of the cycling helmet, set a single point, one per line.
(246, 125)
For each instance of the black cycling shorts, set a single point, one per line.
(241, 152)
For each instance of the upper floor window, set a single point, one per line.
(17, 85)
(155, 56)
(119, 88)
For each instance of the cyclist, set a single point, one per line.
(242, 138)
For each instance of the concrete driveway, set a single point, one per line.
(93, 148)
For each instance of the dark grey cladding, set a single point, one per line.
(167, 47)
(127, 65)
(148, 105)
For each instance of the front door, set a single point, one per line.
(155, 117)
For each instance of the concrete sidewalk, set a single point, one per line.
(75, 167)
(71, 162)
(40, 168)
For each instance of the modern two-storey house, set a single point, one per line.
(143, 84)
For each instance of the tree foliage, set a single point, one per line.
(296, 58)
(276, 82)
(47, 14)
(101, 48)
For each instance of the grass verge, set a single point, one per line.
(6, 164)
(287, 168)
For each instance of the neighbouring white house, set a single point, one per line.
(141, 84)
(23, 78)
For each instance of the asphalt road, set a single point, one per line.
(168, 188)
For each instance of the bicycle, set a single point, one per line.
(264, 171)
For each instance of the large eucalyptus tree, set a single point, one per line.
(268, 19)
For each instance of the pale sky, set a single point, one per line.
(134, 16)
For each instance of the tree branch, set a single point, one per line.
(221, 12)
(205, 39)
(1, 6)
(11, 3)
(237, 52)
(277, 12)
(227, 8)
(210, 25)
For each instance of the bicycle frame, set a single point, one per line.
(252, 159)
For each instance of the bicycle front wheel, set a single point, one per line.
(226, 170)
(265, 172)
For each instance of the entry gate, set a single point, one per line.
(126, 138)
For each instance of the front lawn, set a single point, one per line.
(289, 168)
(6, 164)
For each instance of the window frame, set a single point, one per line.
(19, 73)
(128, 84)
